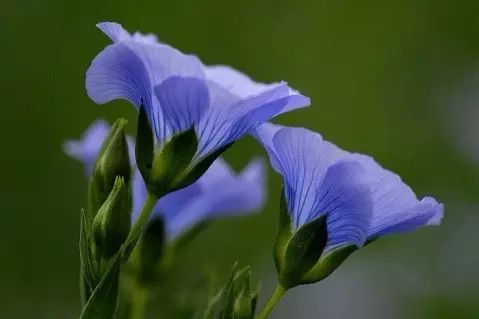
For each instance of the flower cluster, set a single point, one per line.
(149, 193)
(219, 192)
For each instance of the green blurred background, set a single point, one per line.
(395, 79)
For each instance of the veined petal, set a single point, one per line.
(220, 192)
(264, 134)
(160, 60)
(227, 124)
(248, 114)
(361, 200)
(118, 73)
(243, 86)
(114, 31)
(130, 69)
(215, 126)
(346, 200)
(87, 148)
(395, 206)
(302, 158)
(183, 101)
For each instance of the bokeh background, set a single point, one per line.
(395, 79)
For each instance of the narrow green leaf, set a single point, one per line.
(227, 309)
(213, 304)
(104, 300)
(303, 251)
(243, 296)
(88, 269)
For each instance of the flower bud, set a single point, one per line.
(112, 161)
(111, 224)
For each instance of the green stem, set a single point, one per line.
(272, 302)
(139, 303)
(140, 294)
(142, 219)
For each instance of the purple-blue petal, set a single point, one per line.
(304, 159)
(183, 101)
(219, 193)
(227, 123)
(118, 73)
(114, 31)
(221, 103)
(318, 183)
(242, 86)
(395, 206)
(347, 201)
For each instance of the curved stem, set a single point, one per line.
(139, 303)
(272, 302)
(140, 294)
(135, 231)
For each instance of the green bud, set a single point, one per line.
(112, 161)
(297, 252)
(169, 166)
(111, 224)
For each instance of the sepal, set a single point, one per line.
(163, 166)
(171, 163)
(296, 252)
(197, 170)
(283, 234)
(170, 166)
(145, 144)
(112, 223)
(328, 263)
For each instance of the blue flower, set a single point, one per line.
(363, 200)
(359, 199)
(220, 192)
(179, 92)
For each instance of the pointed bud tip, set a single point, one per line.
(113, 161)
